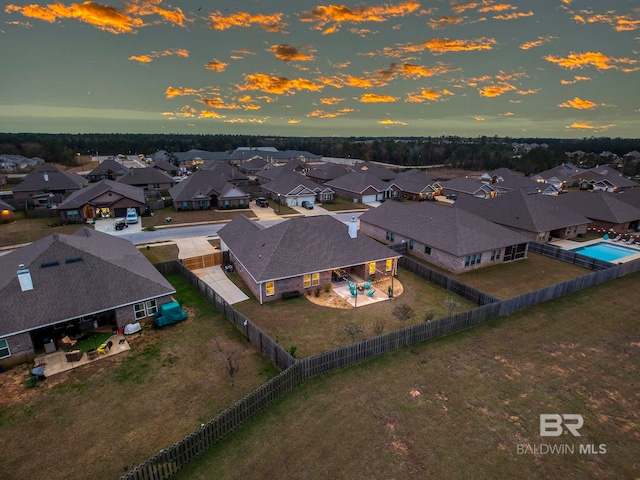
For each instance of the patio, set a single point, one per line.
(340, 290)
(60, 361)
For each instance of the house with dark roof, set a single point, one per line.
(254, 165)
(498, 175)
(47, 181)
(166, 167)
(415, 184)
(104, 199)
(516, 182)
(605, 212)
(605, 179)
(448, 237)
(107, 170)
(470, 187)
(561, 176)
(538, 217)
(362, 187)
(67, 284)
(6, 212)
(148, 178)
(383, 173)
(207, 189)
(292, 189)
(327, 172)
(302, 254)
(229, 172)
(271, 155)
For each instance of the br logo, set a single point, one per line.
(554, 425)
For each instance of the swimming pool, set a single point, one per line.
(605, 251)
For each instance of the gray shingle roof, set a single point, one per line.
(51, 178)
(86, 195)
(469, 186)
(109, 165)
(5, 206)
(451, 230)
(145, 176)
(203, 183)
(298, 246)
(597, 206)
(292, 183)
(530, 212)
(358, 182)
(111, 273)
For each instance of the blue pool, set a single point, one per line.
(605, 251)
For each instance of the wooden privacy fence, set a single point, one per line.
(568, 256)
(203, 261)
(169, 461)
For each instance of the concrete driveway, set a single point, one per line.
(107, 225)
(217, 279)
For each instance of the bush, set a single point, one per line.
(428, 315)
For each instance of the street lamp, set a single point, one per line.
(278, 203)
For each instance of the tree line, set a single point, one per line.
(478, 153)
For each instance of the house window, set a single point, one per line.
(471, 260)
(388, 264)
(140, 311)
(514, 252)
(315, 279)
(372, 268)
(306, 281)
(73, 214)
(410, 244)
(269, 288)
(152, 307)
(184, 205)
(4, 348)
(391, 236)
(495, 254)
(156, 185)
(427, 250)
(542, 235)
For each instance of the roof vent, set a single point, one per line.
(52, 263)
(46, 177)
(73, 260)
(24, 277)
(353, 227)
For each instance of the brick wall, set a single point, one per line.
(21, 349)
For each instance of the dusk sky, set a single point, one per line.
(548, 68)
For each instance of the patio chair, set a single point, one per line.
(370, 293)
(105, 347)
(617, 239)
(367, 285)
(630, 241)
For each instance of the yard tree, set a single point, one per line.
(378, 326)
(403, 312)
(352, 329)
(233, 364)
(451, 304)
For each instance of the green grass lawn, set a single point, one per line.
(340, 204)
(196, 216)
(26, 230)
(91, 340)
(459, 406)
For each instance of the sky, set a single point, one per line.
(546, 68)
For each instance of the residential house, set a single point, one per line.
(207, 189)
(253, 166)
(104, 199)
(561, 176)
(383, 173)
(107, 170)
(270, 174)
(498, 175)
(193, 159)
(18, 162)
(538, 217)
(362, 187)
(415, 184)
(69, 284)
(448, 237)
(292, 189)
(271, 155)
(6, 212)
(604, 178)
(605, 212)
(228, 172)
(47, 185)
(327, 172)
(302, 254)
(468, 187)
(630, 197)
(517, 182)
(166, 167)
(148, 178)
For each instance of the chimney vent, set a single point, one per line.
(353, 227)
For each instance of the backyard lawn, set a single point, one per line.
(314, 329)
(102, 419)
(459, 407)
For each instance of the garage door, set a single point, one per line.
(120, 212)
(368, 198)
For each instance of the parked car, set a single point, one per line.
(262, 202)
(307, 205)
(132, 216)
(120, 224)
(452, 196)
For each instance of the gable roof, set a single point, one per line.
(145, 176)
(298, 246)
(383, 173)
(358, 182)
(469, 186)
(109, 166)
(328, 171)
(515, 182)
(51, 178)
(86, 259)
(165, 166)
(86, 195)
(518, 209)
(445, 228)
(5, 206)
(597, 206)
(202, 184)
(292, 183)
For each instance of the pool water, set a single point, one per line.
(605, 251)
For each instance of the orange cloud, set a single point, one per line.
(103, 17)
(438, 46)
(495, 90)
(210, 114)
(152, 7)
(578, 103)
(172, 92)
(216, 65)
(184, 112)
(513, 16)
(478, 118)
(220, 104)
(342, 80)
(339, 65)
(277, 85)
(426, 95)
(374, 98)
(180, 52)
(591, 59)
(536, 43)
(269, 23)
(588, 126)
(331, 100)
(501, 7)
(444, 22)
(329, 18)
(391, 122)
(531, 91)
(620, 23)
(248, 120)
(293, 121)
(323, 114)
(287, 53)
(576, 79)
